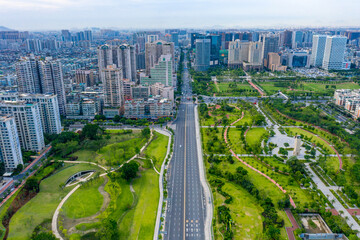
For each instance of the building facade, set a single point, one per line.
(202, 55)
(112, 86)
(318, 48)
(28, 123)
(160, 72)
(10, 150)
(48, 107)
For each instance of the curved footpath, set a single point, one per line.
(54, 222)
(251, 167)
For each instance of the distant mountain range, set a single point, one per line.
(2, 28)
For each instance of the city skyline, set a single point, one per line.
(135, 14)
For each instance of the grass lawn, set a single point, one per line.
(157, 149)
(86, 201)
(235, 89)
(237, 145)
(117, 153)
(120, 146)
(139, 222)
(43, 205)
(244, 211)
(254, 136)
(218, 114)
(312, 138)
(271, 87)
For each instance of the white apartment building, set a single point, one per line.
(28, 123)
(52, 81)
(28, 76)
(334, 53)
(10, 150)
(122, 56)
(48, 106)
(113, 86)
(318, 49)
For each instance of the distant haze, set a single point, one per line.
(133, 14)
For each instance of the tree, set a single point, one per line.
(32, 184)
(91, 131)
(117, 118)
(44, 236)
(129, 170)
(108, 230)
(100, 117)
(146, 132)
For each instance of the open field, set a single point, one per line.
(234, 135)
(323, 88)
(244, 211)
(139, 222)
(218, 116)
(235, 89)
(254, 136)
(157, 149)
(43, 205)
(85, 202)
(118, 147)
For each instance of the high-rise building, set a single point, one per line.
(52, 81)
(46, 77)
(318, 49)
(255, 50)
(122, 56)
(48, 106)
(334, 53)
(297, 39)
(66, 35)
(270, 43)
(161, 72)
(33, 45)
(88, 35)
(202, 55)
(274, 63)
(287, 38)
(10, 150)
(113, 86)
(152, 38)
(28, 123)
(238, 53)
(154, 50)
(85, 77)
(28, 75)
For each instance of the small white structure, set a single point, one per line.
(297, 145)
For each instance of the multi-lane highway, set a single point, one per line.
(186, 212)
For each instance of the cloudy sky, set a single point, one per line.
(135, 14)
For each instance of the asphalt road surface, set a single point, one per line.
(186, 211)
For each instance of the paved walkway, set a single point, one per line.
(337, 205)
(290, 230)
